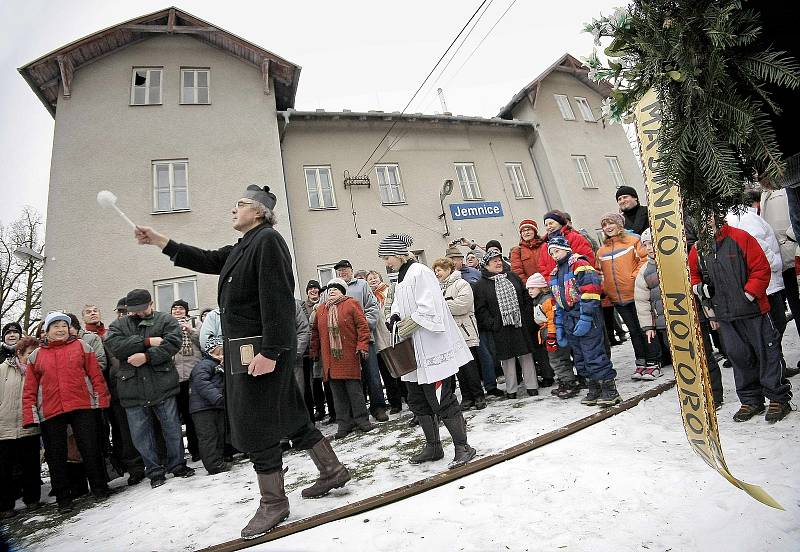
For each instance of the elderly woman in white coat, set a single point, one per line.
(459, 299)
(421, 314)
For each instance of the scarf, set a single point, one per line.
(455, 275)
(20, 366)
(380, 293)
(507, 300)
(187, 348)
(334, 335)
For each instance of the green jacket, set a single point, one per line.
(157, 379)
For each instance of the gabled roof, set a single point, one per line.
(53, 72)
(565, 64)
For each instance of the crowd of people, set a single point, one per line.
(103, 399)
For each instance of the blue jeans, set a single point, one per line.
(140, 421)
(486, 357)
(371, 372)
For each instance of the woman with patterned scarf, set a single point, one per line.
(502, 307)
(340, 335)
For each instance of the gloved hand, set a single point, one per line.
(561, 337)
(583, 326)
(551, 344)
(406, 327)
(392, 321)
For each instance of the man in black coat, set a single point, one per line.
(635, 215)
(264, 404)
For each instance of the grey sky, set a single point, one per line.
(356, 55)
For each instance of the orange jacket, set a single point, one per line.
(619, 259)
(547, 305)
(525, 258)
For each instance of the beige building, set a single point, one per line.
(175, 116)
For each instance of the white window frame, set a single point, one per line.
(171, 164)
(585, 109)
(616, 170)
(562, 101)
(194, 88)
(584, 176)
(325, 268)
(317, 169)
(147, 88)
(470, 189)
(175, 287)
(518, 181)
(400, 193)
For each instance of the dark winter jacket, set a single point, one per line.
(636, 219)
(156, 380)
(255, 295)
(509, 341)
(738, 266)
(206, 386)
(62, 376)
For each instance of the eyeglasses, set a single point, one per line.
(242, 204)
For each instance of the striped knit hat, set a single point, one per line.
(491, 254)
(558, 242)
(395, 245)
(213, 342)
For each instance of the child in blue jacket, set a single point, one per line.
(576, 289)
(207, 406)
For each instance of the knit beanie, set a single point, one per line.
(616, 218)
(647, 236)
(557, 216)
(12, 326)
(491, 254)
(262, 195)
(313, 284)
(213, 342)
(339, 284)
(626, 190)
(528, 222)
(536, 281)
(55, 317)
(395, 245)
(558, 242)
(180, 303)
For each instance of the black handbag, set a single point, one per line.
(399, 358)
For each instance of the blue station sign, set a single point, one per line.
(476, 210)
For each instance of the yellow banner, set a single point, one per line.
(686, 345)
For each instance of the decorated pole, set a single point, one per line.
(686, 345)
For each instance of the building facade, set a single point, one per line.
(176, 116)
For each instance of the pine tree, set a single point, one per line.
(712, 70)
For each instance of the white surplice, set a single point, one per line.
(438, 345)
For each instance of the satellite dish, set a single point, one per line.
(447, 189)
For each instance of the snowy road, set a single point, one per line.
(628, 483)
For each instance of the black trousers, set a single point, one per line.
(306, 388)
(210, 427)
(22, 452)
(542, 361)
(752, 347)
(54, 435)
(713, 366)
(270, 458)
(183, 410)
(469, 379)
(424, 400)
(393, 386)
(122, 444)
(792, 294)
(641, 349)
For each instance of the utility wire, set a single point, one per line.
(421, 85)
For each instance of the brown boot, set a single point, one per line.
(273, 507)
(332, 473)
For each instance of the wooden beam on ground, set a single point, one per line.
(439, 479)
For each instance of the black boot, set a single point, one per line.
(457, 427)
(594, 393)
(571, 389)
(608, 394)
(273, 507)
(332, 473)
(433, 444)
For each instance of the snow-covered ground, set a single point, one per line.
(628, 483)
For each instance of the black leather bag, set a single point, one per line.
(399, 358)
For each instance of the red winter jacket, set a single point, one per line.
(738, 266)
(62, 376)
(525, 258)
(579, 245)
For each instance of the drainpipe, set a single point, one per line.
(286, 114)
(531, 141)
